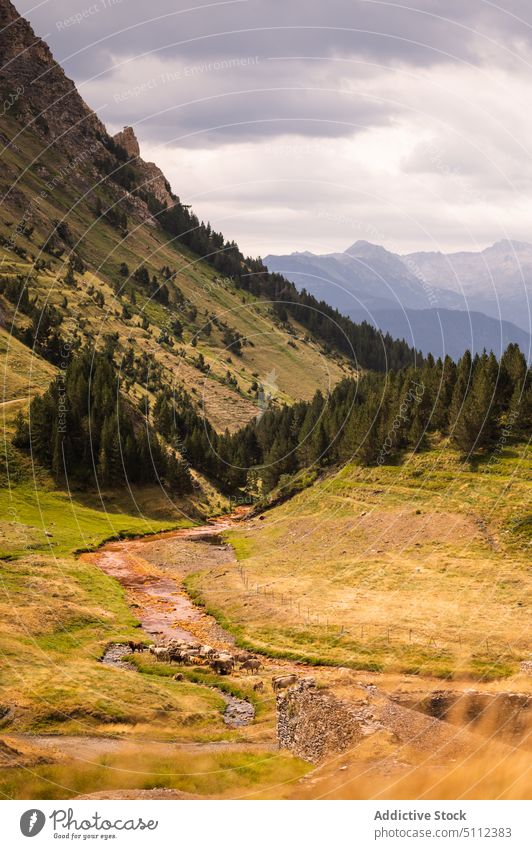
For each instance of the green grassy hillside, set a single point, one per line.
(100, 300)
(418, 568)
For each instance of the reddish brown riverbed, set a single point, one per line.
(152, 570)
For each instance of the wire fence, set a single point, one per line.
(367, 631)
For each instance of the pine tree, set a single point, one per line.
(443, 393)
(109, 461)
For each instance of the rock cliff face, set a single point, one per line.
(314, 724)
(154, 180)
(45, 103)
(44, 98)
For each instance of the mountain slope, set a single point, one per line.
(364, 275)
(444, 332)
(76, 225)
(95, 245)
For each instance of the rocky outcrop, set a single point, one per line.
(127, 140)
(153, 179)
(155, 182)
(314, 723)
(41, 94)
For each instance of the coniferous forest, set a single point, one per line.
(83, 428)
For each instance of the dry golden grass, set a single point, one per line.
(21, 371)
(419, 568)
(478, 777)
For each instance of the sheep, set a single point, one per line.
(222, 664)
(252, 664)
(280, 682)
(160, 653)
(205, 651)
(242, 656)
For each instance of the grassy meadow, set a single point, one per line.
(231, 775)
(420, 568)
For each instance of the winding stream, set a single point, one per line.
(151, 570)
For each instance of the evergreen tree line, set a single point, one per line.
(83, 429)
(82, 426)
(371, 421)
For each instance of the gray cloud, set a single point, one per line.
(302, 123)
(236, 97)
(101, 41)
(388, 31)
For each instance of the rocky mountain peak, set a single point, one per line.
(45, 97)
(154, 180)
(127, 139)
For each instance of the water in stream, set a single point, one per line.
(161, 603)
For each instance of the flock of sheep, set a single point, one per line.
(221, 662)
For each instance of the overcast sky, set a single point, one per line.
(308, 124)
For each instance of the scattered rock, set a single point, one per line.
(114, 656)
(238, 711)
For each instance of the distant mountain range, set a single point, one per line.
(442, 303)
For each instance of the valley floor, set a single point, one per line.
(420, 568)
(72, 726)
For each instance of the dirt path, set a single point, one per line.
(12, 401)
(74, 747)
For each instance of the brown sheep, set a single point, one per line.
(223, 664)
(252, 665)
(280, 682)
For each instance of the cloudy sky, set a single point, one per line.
(308, 124)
